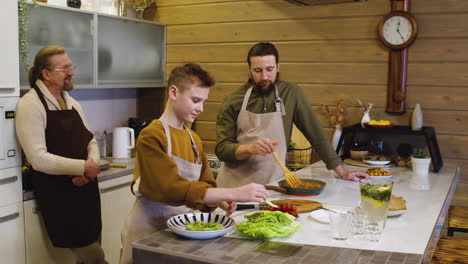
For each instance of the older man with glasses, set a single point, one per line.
(56, 140)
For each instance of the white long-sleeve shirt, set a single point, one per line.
(31, 122)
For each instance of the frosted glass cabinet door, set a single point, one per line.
(72, 30)
(130, 53)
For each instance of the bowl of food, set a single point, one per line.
(379, 124)
(309, 187)
(200, 225)
(378, 173)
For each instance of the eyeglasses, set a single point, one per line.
(67, 69)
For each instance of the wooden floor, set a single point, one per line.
(459, 199)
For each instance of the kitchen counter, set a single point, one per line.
(121, 175)
(409, 238)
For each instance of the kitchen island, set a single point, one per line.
(408, 238)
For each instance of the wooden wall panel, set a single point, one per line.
(310, 29)
(430, 96)
(263, 10)
(306, 51)
(314, 72)
(332, 52)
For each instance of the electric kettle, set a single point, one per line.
(123, 140)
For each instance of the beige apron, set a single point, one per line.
(250, 127)
(148, 216)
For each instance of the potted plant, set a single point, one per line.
(420, 163)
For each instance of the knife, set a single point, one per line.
(247, 206)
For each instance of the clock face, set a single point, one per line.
(397, 30)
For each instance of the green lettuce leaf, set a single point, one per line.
(268, 224)
(200, 226)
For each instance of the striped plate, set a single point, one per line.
(177, 224)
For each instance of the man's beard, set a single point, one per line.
(262, 89)
(68, 87)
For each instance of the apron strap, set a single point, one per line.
(41, 97)
(169, 142)
(246, 99)
(279, 103)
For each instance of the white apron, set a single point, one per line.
(148, 216)
(250, 127)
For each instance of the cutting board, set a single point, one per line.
(303, 206)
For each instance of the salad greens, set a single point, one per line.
(200, 226)
(268, 224)
(375, 192)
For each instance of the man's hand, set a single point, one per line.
(263, 147)
(350, 175)
(79, 180)
(91, 169)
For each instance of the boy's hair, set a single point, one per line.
(190, 73)
(263, 49)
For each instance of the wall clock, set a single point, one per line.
(397, 30)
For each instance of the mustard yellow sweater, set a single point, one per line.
(159, 178)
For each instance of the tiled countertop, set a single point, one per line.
(121, 174)
(409, 238)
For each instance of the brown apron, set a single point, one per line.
(250, 127)
(72, 215)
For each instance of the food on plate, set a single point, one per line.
(301, 205)
(397, 203)
(268, 224)
(376, 158)
(283, 207)
(201, 226)
(377, 171)
(380, 122)
(306, 185)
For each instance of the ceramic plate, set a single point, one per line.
(395, 213)
(103, 164)
(177, 224)
(377, 162)
(320, 216)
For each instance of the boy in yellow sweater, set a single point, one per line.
(174, 173)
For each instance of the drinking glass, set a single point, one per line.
(375, 198)
(341, 225)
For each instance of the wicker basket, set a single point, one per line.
(297, 159)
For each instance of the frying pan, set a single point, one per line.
(284, 188)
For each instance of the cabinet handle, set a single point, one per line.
(8, 180)
(9, 217)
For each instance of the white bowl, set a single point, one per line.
(387, 177)
(177, 224)
(377, 162)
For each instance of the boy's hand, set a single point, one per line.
(229, 207)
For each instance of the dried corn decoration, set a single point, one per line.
(336, 117)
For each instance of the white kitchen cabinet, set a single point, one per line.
(12, 248)
(73, 30)
(9, 64)
(116, 202)
(39, 249)
(109, 51)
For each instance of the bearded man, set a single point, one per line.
(258, 118)
(62, 151)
